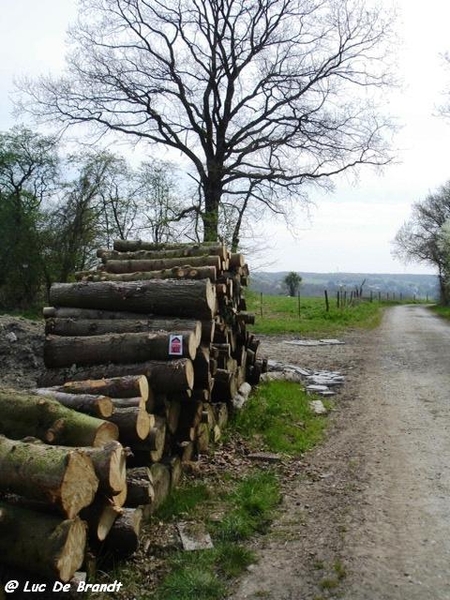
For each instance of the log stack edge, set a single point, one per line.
(145, 358)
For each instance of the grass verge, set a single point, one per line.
(443, 311)
(278, 416)
(245, 510)
(280, 314)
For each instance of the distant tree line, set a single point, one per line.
(425, 237)
(56, 209)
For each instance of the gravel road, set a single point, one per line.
(368, 515)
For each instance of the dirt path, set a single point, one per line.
(368, 517)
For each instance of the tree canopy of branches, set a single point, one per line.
(28, 171)
(292, 281)
(260, 96)
(56, 210)
(422, 238)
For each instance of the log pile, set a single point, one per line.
(56, 464)
(145, 357)
(174, 313)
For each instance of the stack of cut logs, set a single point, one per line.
(145, 356)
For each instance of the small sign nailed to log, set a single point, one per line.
(176, 345)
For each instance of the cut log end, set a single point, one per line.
(105, 433)
(72, 552)
(79, 484)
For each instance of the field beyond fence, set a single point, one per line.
(315, 316)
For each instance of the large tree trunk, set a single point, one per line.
(212, 189)
(130, 386)
(70, 312)
(134, 245)
(24, 415)
(172, 252)
(119, 348)
(96, 406)
(44, 544)
(163, 376)
(61, 477)
(192, 299)
(162, 264)
(88, 327)
(206, 272)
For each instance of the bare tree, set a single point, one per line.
(421, 238)
(260, 96)
(163, 214)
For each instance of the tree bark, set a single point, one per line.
(151, 449)
(172, 251)
(100, 517)
(133, 245)
(173, 463)
(186, 450)
(225, 386)
(24, 415)
(199, 272)
(221, 413)
(96, 406)
(137, 402)
(139, 486)
(118, 348)
(202, 438)
(44, 544)
(163, 376)
(202, 373)
(110, 467)
(123, 538)
(192, 299)
(89, 327)
(68, 312)
(134, 424)
(172, 414)
(161, 483)
(130, 386)
(162, 264)
(61, 477)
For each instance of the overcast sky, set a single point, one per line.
(349, 230)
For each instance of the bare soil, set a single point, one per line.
(21, 355)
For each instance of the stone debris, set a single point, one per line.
(11, 337)
(269, 457)
(194, 536)
(317, 382)
(317, 407)
(324, 342)
(317, 388)
(241, 397)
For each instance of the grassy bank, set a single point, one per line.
(281, 314)
(232, 503)
(443, 311)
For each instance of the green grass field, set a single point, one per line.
(443, 311)
(280, 314)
